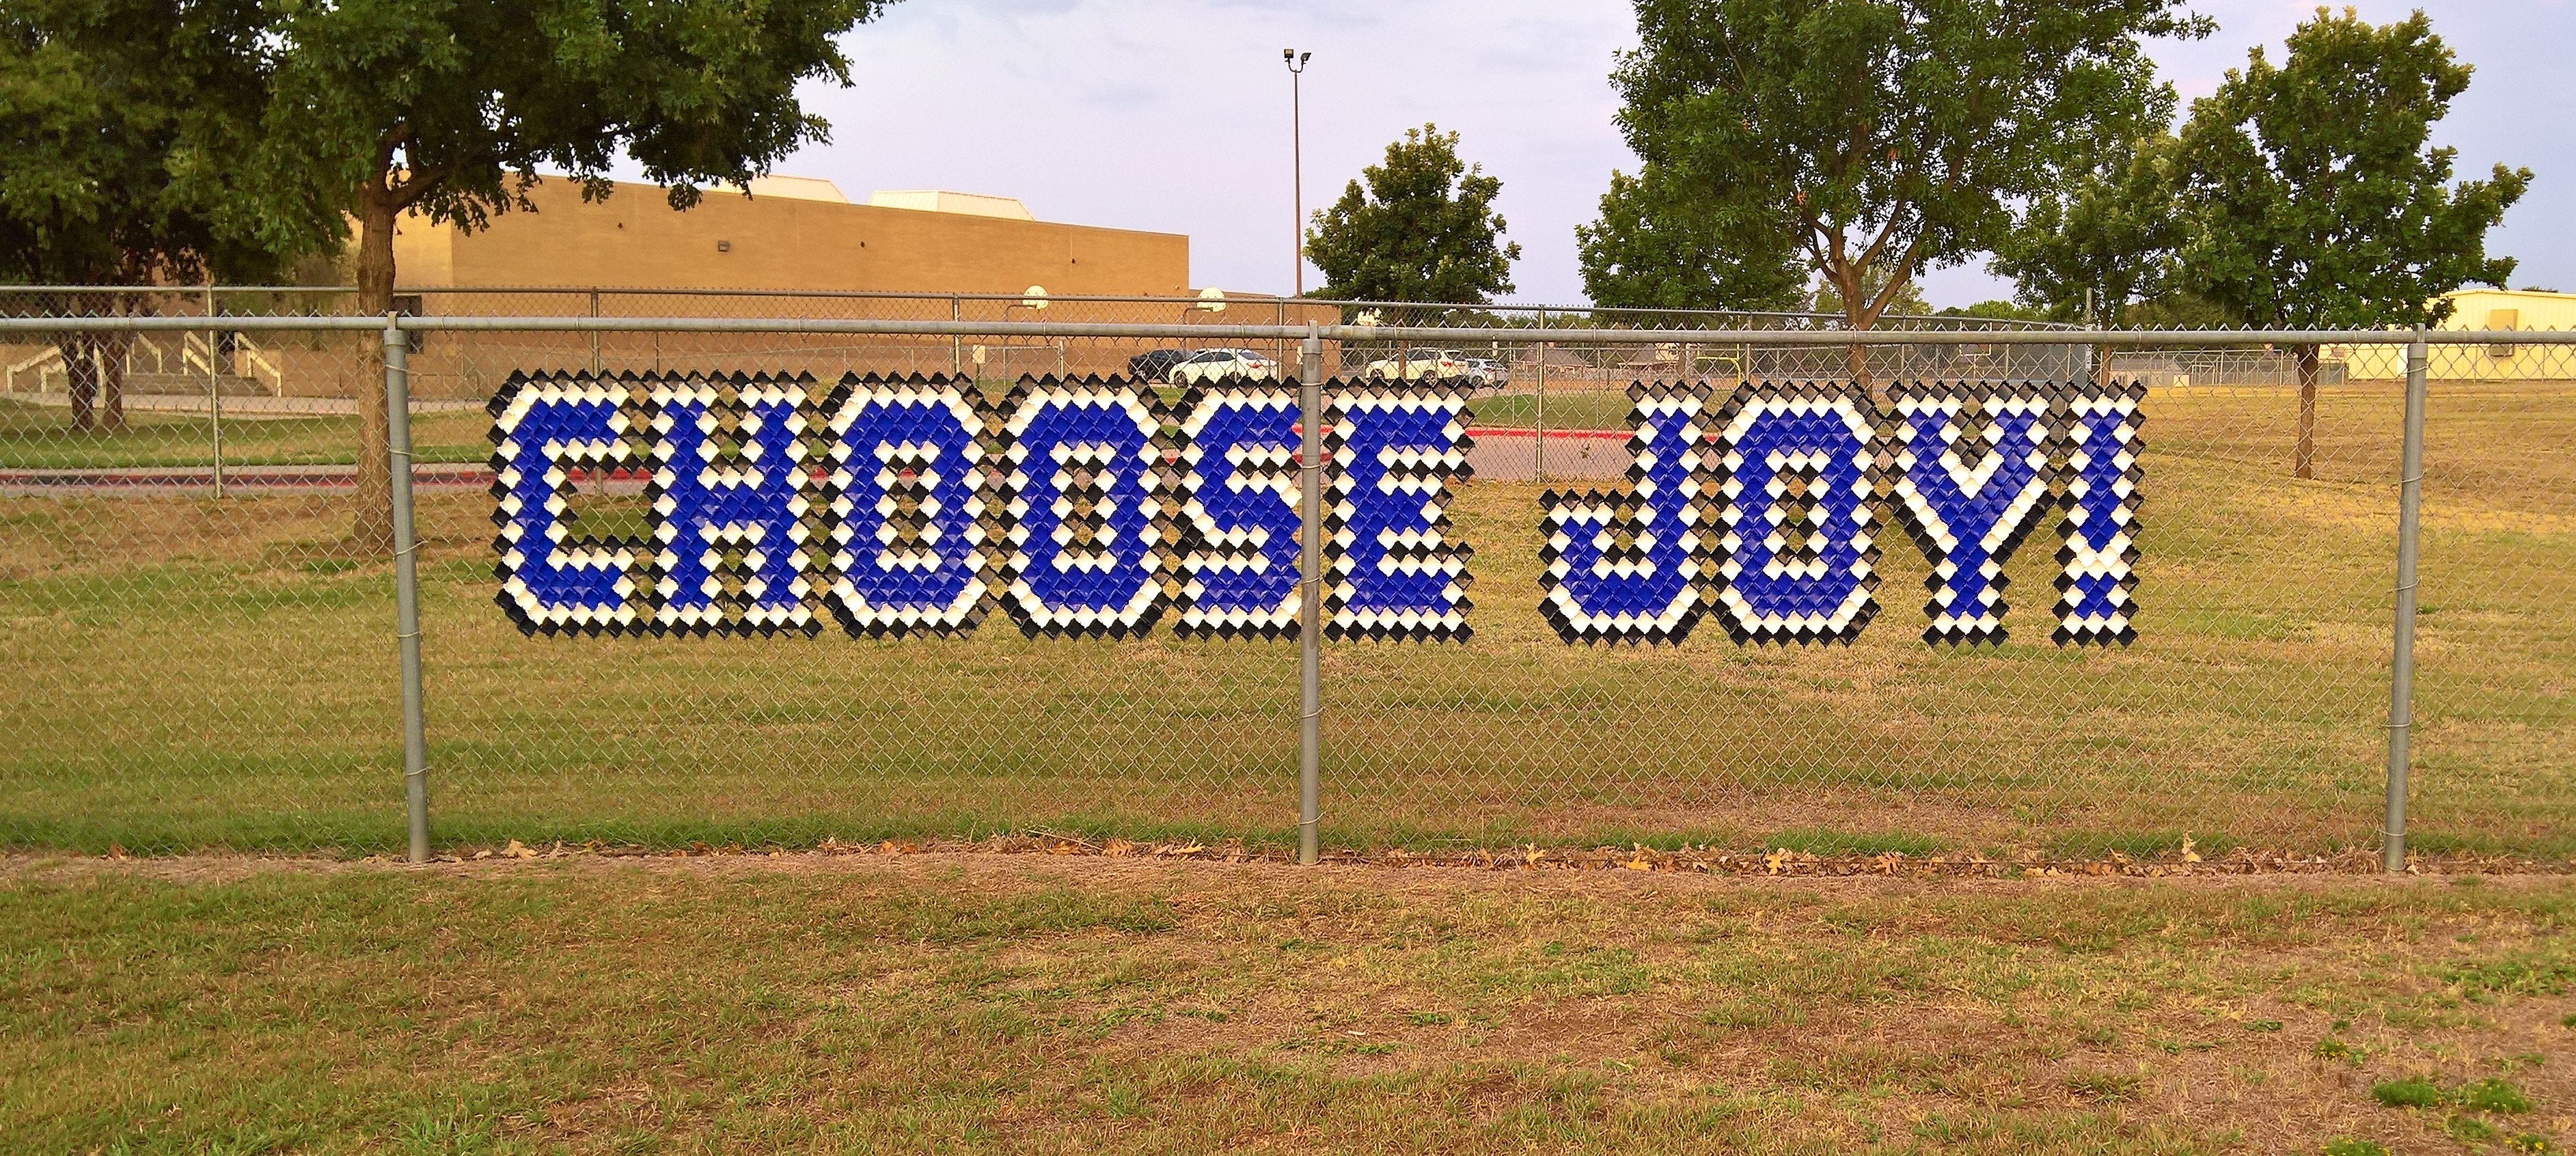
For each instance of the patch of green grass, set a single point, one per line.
(2492, 1095)
(2532, 1143)
(2339, 1050)
(1567, 409)
(41, 437)
(2349, 1147)
(2411, 1092)
(2548, 972)
(2103, 1087)
(2469, 1129)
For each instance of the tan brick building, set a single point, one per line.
(790, 233)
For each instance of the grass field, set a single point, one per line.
(968, 1002)
(36, 437)
(1566, 409)
(189, 673)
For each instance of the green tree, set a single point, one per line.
(1994, 311)
(116, 120)
(2103, 242)
(1419, 226)
(2311, 199)
(1656, 249)
(1891, 135)
(1895, 297)
(448, 109)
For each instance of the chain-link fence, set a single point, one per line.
(864, 576)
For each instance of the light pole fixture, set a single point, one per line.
(1297, 154)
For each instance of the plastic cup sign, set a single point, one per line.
(1094, 507)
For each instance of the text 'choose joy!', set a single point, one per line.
(904, 506)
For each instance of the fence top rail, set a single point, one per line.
(1188, 302)
(2124, 338)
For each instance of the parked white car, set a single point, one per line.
(1488, 373)
(1219, 364)
(1420, 363)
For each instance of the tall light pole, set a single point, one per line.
(1297, 152)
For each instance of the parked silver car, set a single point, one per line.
(1416, 364)
(1219, 364)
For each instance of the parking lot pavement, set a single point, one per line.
(1512, 455)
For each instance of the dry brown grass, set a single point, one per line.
(1028, 1003)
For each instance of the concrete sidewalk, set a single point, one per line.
(1502, 455)
(163, 480)
(250, 408)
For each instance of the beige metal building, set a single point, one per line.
(792, 233)
(2490, 309)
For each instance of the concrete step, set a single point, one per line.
(233, 385)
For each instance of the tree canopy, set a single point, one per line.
(1419, 226)
(118, 122)
(1994, 311)
(2103, 242)
(447, 108)
(1895, 297)
(1892, 135)
(450, 108)
(1655, 247)
(2309, 196)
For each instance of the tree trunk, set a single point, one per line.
(1856, 362)
(1851, 285)
(1858, 318)
(80, 377)
(2304, 460)
(112, 350)
(373, 529)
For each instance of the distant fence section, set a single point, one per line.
(1528, 577)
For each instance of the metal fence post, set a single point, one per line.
(214, 388)
(1310, 597)
(406, 584)
(1538, 444)
(2401, 666)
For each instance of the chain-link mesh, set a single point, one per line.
(2495, 642)
(197, 647)
(191, 669)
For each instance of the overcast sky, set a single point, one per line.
(1172, 115)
